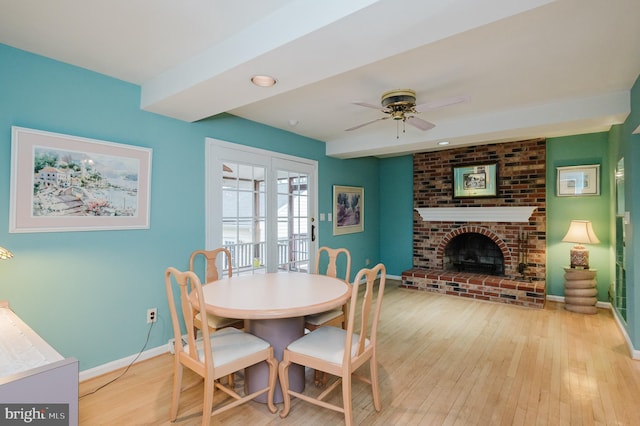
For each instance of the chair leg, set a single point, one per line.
(175, 396)
(207, 406)
(273, 375)
(375, 387)
(319, 378)
(283, 375)
(346, 400)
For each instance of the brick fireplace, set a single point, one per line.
(505, 247)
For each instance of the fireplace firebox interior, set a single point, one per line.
(475, 253)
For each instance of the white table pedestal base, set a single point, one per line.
(278, 332)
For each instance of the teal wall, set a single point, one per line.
(87, 293)
(573, 151)
(396, 214)
(362, 173)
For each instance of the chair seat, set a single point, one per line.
(323, 317)
(215, 322)
(229, 344)
(326, 343)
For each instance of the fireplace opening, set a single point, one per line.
(473, 252)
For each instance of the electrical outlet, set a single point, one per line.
(152, 315)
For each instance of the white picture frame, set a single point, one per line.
(62, 183)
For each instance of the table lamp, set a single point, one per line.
(5, 254)
(580, 232)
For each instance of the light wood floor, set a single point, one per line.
(442, 360)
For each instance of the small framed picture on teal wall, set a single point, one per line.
(348, 209)
(577, 181)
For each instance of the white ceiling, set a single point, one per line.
(532, 68)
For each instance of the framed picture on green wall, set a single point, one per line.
(577, 181)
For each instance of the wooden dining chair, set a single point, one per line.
(215, 355)
(338, 316)
(211, 273)
(341, 352)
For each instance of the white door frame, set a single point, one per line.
(217, 151)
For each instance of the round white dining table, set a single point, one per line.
(275, 305)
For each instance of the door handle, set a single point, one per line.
(313, 233)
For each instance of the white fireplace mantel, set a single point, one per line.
(476, 214)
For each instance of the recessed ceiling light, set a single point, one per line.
(443, 143)
(263, 80)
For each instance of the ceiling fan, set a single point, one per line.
(400, 105)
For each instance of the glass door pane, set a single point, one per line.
(243, 216)
(293, 222)
(260, 205)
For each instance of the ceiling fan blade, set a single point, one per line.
(442, 103)
(420, 123)
(365, 124)
(365, 104)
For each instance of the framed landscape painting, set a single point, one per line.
(348, 209)
(67, 183)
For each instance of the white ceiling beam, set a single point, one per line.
(307, 41)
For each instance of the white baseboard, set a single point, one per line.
(121, 363)
(634, 353)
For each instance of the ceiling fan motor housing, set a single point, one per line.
(399, 101)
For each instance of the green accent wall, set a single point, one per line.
(574, 151)
(624, 144)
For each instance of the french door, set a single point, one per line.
(260, 205)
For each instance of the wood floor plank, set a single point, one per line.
(442, 361)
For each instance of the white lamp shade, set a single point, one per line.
(581, 232)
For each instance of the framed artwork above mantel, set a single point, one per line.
(475, 180)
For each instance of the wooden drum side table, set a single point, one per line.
(580, 290)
